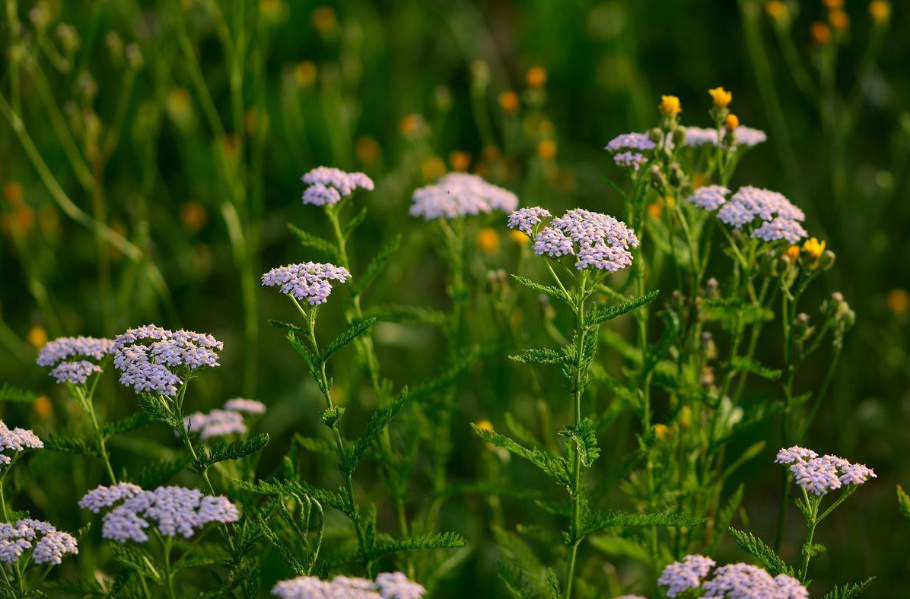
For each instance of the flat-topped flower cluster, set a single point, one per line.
(223, 422)
(16, 439)
(306, 282)
(390, 585)
(460, 194)
(778, 218)
(597, 240)
(58, 353)
(327, 185)
(820, 475)
(147, 357)
(174, 510)
(47, 544)
(733, 581)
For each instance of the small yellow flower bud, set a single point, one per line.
(814, 248)
(37, 337)
(324, 20)
(721, 97)
(792, 253)
(898, 301)
(546, 149)
(485, 425)
(661, 431)
(508, 101)
(880, 10)
(488, 240)
(655, 210)
(519, 238)
(537, 77)
(776, 9)
(731, 123)
(669, 105)
(821, 33)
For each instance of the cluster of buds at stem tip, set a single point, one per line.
(811, 256)
(837, 309)
(720, 110)
(802, 329)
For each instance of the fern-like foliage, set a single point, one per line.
(442, 540)
(71, 445)
(378, 422)
(17, 395)
(751, 365)
(604, 313)
(849, 591)
(583, 439)
(333, 499)
(760, 551)
(130, 423)
(554, 292)
(235, 450)
(376, 265)
(353, 332)
(313, 241)
(159, 472)
(555, 466)
(542, 356)
(598, 521)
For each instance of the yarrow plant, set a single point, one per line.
(390, 585)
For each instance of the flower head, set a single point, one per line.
(525, 219)
(721, 97)
(68, 347)
(597, 240)
(669, 105)
(147, 355)
(47, 544)
(17, 439)
(819, 475)
(731, 123)
(631, 141)
(76, 373)
(460, 194)
(780, 228)
(250, 406)
(710, 197)
(395, 585)
(327, 185)
(632, 160)
(386, 586)
(308, 281)
(781, 218)
(679, 577)
(814, 248)
(744, 581)
(217, 423)
(174, 510)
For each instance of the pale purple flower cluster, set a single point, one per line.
(327, 185)
(146, 356)
(17, 439)
(306, 282)
(217, 423)
(631, 141)
(597, 240)
(781, 218)
(630, 597)
(632, 160)
(742, 136)
(77, 372)
(249, 406)
(819, 475)
(50, 544)
(744, 581)
(460, 194)
(679, 577)
(709, 197)
(175, 510)
(386, 586)
(67, 347)
(525, 219)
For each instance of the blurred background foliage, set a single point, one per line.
(150, 155)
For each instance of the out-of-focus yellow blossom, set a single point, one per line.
(833, 4)
(731, 123)
(546, 149)
(839, 20)
(721, 97)
(880, 10)
(488, 240)
(537, 77)
(814, 248)
(661, 431)
(485, 425)
(43, 406)
(305, 73)
(367, 149)
(37, 337)
(821, 33)
(193, 216)
(776, 9)
(324, 20)
(433, 167)
(508, 101)
(655, 210)
(459, 161)
(412, 125)
(669, 105)
(519, 238)
(898, 301)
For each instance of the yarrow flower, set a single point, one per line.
(217, 423)
(47, 544)
(68, 347)
(709, 197)
(460, 194)
(249, 406)
(631, 141)
(597, 240)
(174, 510)
(525, 219)
(679, 577)
(386, 586)
(632, 160)
(744, 581)
(17, 439)
(146, 356)
(306, 282)
(327, 185)
(781, 218)
(76, 373)
(819, 475)
(743, 136)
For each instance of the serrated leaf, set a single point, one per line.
(314, 445)
(379, 261)
(17, 395)
(71, 445)
(286, 552)
(378, 422)
(849, 591)
(125, 425)
(235, 450)
(598, 521)
(584, 440)
(602, 314)
(157, 473)
(554, 466)
(554, 292)
(903, 502)
(353, 332)
(543, 355)
(442, 540)
(517, 582)
(447, 378)
(332, 499)
(744, 364)
(313, 241)
(760, 551)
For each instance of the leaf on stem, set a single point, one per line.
(313, 241)
(550, 290)
(354, 331)
(599, 521)
(17, 395)
(602, 314)
(555, 467)
(760, 551)
(221, 452)
(442, 540)
(849, 591)
(379, 261)
(378, 422)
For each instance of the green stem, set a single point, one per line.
(578, 389)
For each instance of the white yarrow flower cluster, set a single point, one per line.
(47, 544)
(460, 194)
(390, 585)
